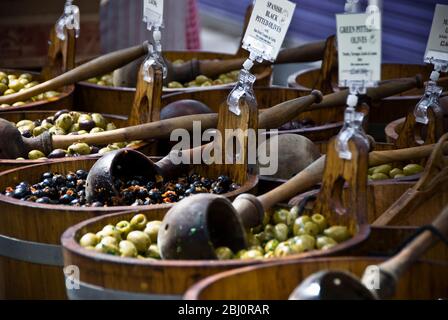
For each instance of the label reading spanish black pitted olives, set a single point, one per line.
(232, 310)
(437, 47)
(267, 27)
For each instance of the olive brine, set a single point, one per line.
(283, 234)
(69, 189)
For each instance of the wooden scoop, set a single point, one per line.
(13, 145)
(332, 285)
(101, 65)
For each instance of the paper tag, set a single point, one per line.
(359, 48)
(153, 12)
(267, 27)
(437, 48)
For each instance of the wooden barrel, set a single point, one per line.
(424, 280)
(6, 164)
(110, 277)
(328, 121)
(386, 110)
(63, 101)
(30, 233)
(118, 100)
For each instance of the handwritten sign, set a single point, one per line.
(359, 49)
(153, 12)
(437, 47)
(267, 27)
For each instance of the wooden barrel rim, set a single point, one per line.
(69, 243)
(292, 82)
(251, 182)
(193, 291)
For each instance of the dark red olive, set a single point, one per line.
(57, 153)
(86, 125)
(57, 114)
(184, 108)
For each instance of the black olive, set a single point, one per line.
(308, 123)
(50, 120)
(9, 194)
(87, 125)
(128, 197)
(179, 188)
(150, 185)
(66, 199)
(21, 192)
(97, 204)
(206, 182)
(190, 191)
(148, 202)
(75, 202)
(71, 177)
(155, 195)
(224, 182)
(57, 153)
(218, 190)
(94, 150)
(60, 112)
(47, 183)
(38, 193)
(81, 174)
(141, 193)
(23, 184)
(47, 175)
(137, 202)
(27, 134)
(44, 200)
(59, 180)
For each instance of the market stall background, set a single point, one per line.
(406, 23)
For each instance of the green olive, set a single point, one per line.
(385, 169)
(152, 230)
(3, 75)
(31, 84)
(412, 169)
(304, 242)
(96, 130)
(283, 249)
(81, 132)
(109, 231)
(9, 91)
(64, 121)
(38, 131)
(138, 222)
(281, 232)
(92, 80)
(3, 88)
(201, 79)
(281, 216)
(178, 62)
(224, 253)
(119, 145)
(394, 172)
(4, 106)
(217, 82)
(104, 150)
(175, 85)
(24, 82)
(271, 245)
(320, 221)
(84, 117)
(140, 239)
(240, 253)
(51, 95)
(24, 123)
(206, 84)
(124, 227)
(108, 245)
(110, 126)
(269, 232)
(79, 148)
(153, 252)
(26, 76)
(253, 240)
(127, 249)
(101, 83)
(18, 104)
(46, 124)
(293, 215)
(252, 254)
(379, 176)
(24, 129)
(338, 233)
(398, 176)
(57, 131)
(12, 77)
(75, 128)
(75, 116)
(269, 255)
(328, 246)
(35, 154)
(99, 120)
(15, 85)
(322, 241)
(89, 240)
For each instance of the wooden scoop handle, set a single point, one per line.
(401, 262)
(101, 65)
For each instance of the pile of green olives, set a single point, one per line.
(65, 122)
(283, 233)
(387, 171)
(105, 80)
(204, 81)
(11, 83)
(136, 238)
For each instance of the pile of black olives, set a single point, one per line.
(69, 189)
(298, 124)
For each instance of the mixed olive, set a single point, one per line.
(106, 80)
(11, 83)
(66, 122)
(283, 234)
(387, 171)
(69, 189)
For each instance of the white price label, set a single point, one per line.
(267, 27)
(153, 12)
(438, 39)
(359, 48)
